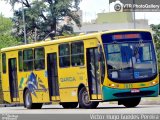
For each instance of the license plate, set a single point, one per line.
(135, 90)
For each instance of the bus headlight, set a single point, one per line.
(114, 85)
(153, 83)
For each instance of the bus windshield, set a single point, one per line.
(130, 59)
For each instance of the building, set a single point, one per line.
(112, 21)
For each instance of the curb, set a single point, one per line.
(150, 103)
(10, 105)
(2, 105)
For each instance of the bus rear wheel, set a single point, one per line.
(84, 101)
(28, 101)
(132, 102)
(69, 104)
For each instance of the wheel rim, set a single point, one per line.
(85, 98)
(28, 99)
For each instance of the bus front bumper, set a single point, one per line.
(115, 94)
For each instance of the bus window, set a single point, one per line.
(77, 54)
(28, 59)
(64, 55)
(20, 60)
(147, 56)
(4, 62)
(39, 62)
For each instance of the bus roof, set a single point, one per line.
(63, 40)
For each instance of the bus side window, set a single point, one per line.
(4, 62)
(20, 60)
(39, 58)
(64, 55)
(77, 54)
(28, 60)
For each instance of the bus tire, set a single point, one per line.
(132, 102)
(84, 100)
(37, 105)
(69, 104)
(28, 101)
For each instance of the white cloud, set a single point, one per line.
(153, 17)
(92, 7)
(6, 9)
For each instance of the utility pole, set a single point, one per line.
(35, 37)
(134, 16)
(24, 24)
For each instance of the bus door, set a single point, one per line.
(13, 83)
(53, 76)
(94, 82)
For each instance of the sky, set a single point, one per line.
(90, 9)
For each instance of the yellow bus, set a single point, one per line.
(83, 70)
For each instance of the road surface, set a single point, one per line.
(103, 108)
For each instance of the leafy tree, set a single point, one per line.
(43, 16)
(6, 38)
(156, 36)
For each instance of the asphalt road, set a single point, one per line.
(103, 108)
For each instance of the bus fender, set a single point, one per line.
(79, 88)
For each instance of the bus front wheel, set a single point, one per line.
(132, 102)
(28, 101)
(84, 101)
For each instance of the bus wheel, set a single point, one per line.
(132, 102)
(84, 101)
(28, 102)
(69, 104)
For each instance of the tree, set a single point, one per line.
(156, 37)
(6, 38)
(43, 16)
